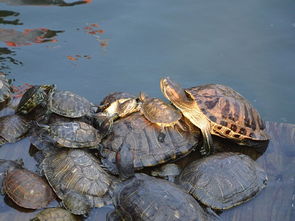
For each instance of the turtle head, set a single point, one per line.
(173, 92)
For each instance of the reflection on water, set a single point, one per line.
(45, 2)
(15, 38)
(4, 14)
(6, 58)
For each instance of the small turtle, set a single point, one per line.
(159, 112)
(223, 180)
(167, 171)
(219, 110)
(75, 171)
(5, 88)
(54, 214)
(73, 134)
(119, 104)
(135, 137)
(13, 128)
(27, 189)
(33, 97)
(69, 104)
(147, 198)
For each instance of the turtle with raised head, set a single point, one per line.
(219, 110)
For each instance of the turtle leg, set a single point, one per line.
(124, 161)
(204, 125)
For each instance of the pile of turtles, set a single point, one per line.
(152, 159)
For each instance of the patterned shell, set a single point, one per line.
(13, 128)
(231, 114)
(33, 97)
(27, 189)
(79, 171)
(148, 198)
(157, 111)
(142, 136)
(74, 134)
(5, 90)
(8, 165)
(54, 214)
(223, 180)
(68, 104)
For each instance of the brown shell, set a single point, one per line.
(27, 189)
(231, 115)
(115, 96)
(157, 111)
(142, 136)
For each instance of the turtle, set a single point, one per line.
(143, 197)
(27, 189)
(224, 180)
(118, 105)
(33, 97)
(167, 171)
(74, 172)
(69, 104)
(219, 110)
(5, 88)
(13, 128)
(134, 143)
(53, 214)
(74, 134)
(159, 112)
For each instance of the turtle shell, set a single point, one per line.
(223, 180)
(68, 104)
(27, 189)
(33, 97)
(13, 128)
(77, 170)
(142, 137)
(5, 89)
(231, 115)
(74, 134)
(157, 111)
(54, 214)
(147, 198)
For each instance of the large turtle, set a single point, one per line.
(219, 110)
(223, 180)
(144, 198)
(134, 143)
(77, 178)
(33, 97)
